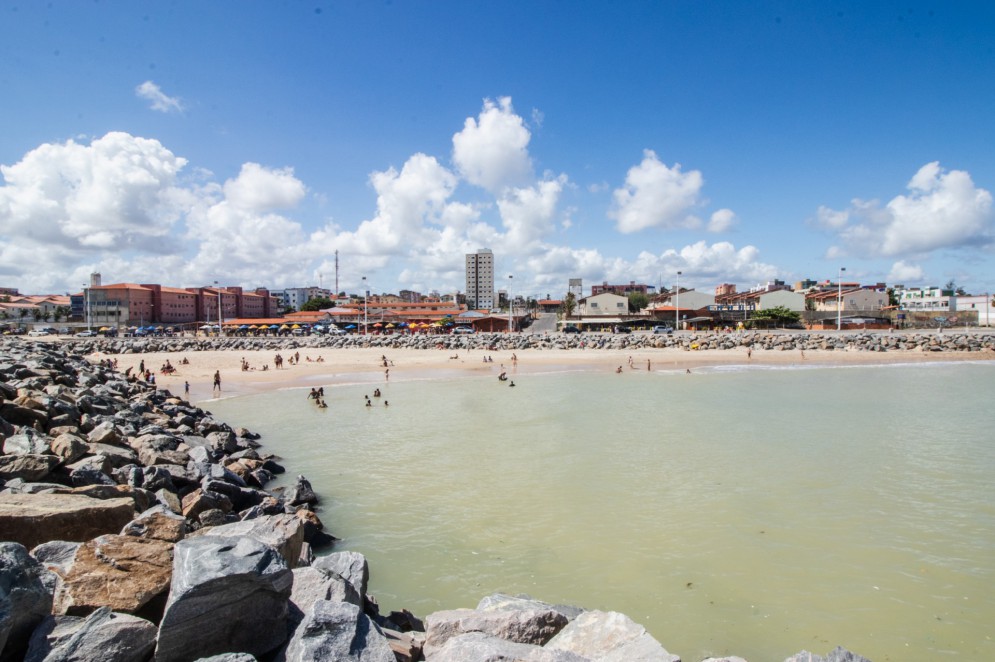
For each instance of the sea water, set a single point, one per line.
(734, 510)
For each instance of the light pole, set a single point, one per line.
(511, 306)
(677, 305)
(220, 315)
(86, 305)
(366, 295)
(839, 299)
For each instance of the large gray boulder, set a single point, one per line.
(239, 586)
(103, 635)
(838, 654)
(338, 631)
(25, 600)
(474, 646)
(284, 533)
(524, 626)
(351, 566)
(610, 637)
(32, 519)
(313, 585)
(504, 602)
(27, 466)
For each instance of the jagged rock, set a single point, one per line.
(338, 631)
(28, 466)
(407, 646)
(157, 523)
(120, 572)
(351, 566)
(525, 626)
(69, 448)
(228, 657)
(31, 519)
(169, 500)
(84, 476)
(103, 635)
(117, 456)
(212, 518)
(502, 602)
(838, 654)
(27, 444)
(284, 533)
(238, 585)
(25, 600)
(105, 433)
(481, 646)
(312, 585)
(301, 493)
(609, 637)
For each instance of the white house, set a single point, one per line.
(979, 304)
(605, 303)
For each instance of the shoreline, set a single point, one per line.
(358, 365)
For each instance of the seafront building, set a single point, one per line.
(480, 279)
(123, 305)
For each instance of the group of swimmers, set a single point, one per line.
(376, 394)
(318, 395)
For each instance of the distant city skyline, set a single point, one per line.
(195, 143)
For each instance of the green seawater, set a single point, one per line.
(737, 510)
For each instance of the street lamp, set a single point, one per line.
(220, 316)
(86, 305)
(511, 306)
(366, 294)
(677, 305)
(839, 299)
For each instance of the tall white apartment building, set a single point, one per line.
(480, 279)
(295, 297)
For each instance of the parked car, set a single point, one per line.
(570, 328)
(36, 333)
(663, 329)
(622, 329)
(89, 333)
(464, 329)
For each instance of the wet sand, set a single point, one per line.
(365, 364)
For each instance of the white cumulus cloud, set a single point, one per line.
(905, 273)
(160, 101)
(492, 150)
(722, 221)
(943, 209)
(657, 196)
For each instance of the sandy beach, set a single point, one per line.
(366, 364)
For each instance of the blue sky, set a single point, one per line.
(188, 142)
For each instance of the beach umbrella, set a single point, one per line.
(351, 326)
(105, 328)
(253, 326)
(273, 326)
(391, 325)
(244, 326)
(294, 326)
(377, 325)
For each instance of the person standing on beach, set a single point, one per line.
(217, 380)
(186, 389)
(647, 365)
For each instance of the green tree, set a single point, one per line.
(776, 316)
(892, 297)
(569, 304)
(637, 301)
(317, 303)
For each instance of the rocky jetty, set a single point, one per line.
(135, 526)
(871, 341)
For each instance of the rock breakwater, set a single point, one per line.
(690, 341)
(135, 526)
